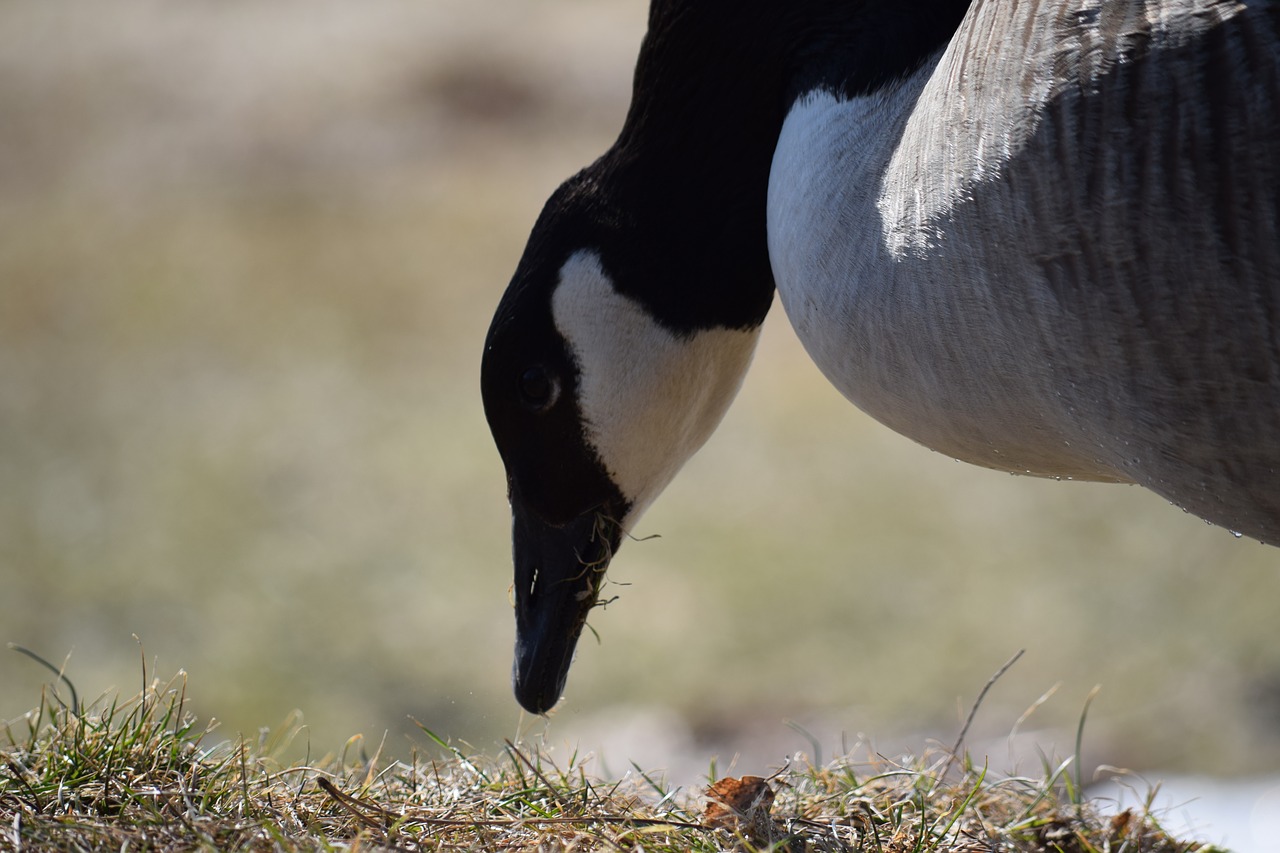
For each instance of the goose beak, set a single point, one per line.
(558, 572)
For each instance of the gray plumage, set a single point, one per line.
(1056, 249)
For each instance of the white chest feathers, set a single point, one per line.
(649, 397)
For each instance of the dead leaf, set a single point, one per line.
(1120, 823)
(731, 800)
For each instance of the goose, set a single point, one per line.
(1041, 236)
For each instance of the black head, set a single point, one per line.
(595, 403)
(566, 511)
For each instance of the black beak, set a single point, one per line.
(558, 572)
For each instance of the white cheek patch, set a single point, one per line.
(649, 398)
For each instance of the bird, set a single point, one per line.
(1040, 236)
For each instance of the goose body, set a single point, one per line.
(1042, 237)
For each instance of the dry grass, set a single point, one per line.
(142, 774)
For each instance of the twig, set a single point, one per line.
(973, 712)
(355, 806)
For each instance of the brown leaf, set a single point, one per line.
(731, 800)
(1120, 823)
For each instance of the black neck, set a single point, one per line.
(687, 179)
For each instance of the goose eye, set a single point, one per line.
(538, 388)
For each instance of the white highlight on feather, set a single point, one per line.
(649, 398)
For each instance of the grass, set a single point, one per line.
(142, 774)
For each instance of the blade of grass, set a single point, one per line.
(59, 672)
(973, 711)
(1077, 796)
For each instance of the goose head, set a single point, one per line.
(595, 401)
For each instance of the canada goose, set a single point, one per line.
(1041, 236)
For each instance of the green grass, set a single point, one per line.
(142, 774)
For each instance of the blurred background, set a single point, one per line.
(248, 255)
